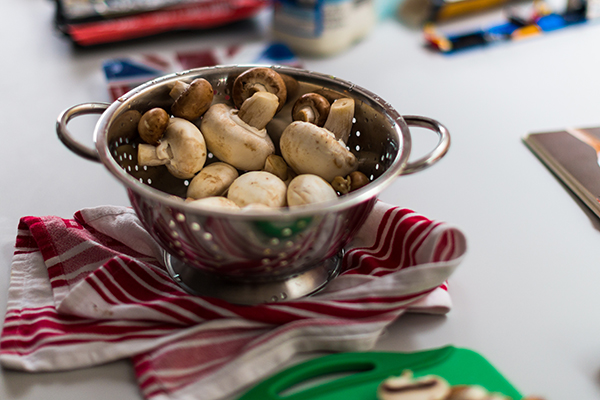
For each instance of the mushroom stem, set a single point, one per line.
(178, 88)
(259, 109)
(147, 155)
(339, 120)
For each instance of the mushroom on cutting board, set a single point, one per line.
(239, 137)
(310, 149)
(191, 100)
(182, 150)
(308, 189)
(259, 187)
(212, 180)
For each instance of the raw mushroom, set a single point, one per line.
(339, 120)
(405, 387)
(311, 107)
(214, 202)
(308, 189)
(277, 166)
(258, 187)
(152, 125)
(234, 139)
(212, 180)
(191, 101)
(355, 180)
(470, 392)
(310, 149)
(182, 150)
(259, 79)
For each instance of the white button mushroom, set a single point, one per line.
(234, 141)
(309, 149)
(212, 180)
(258, 187)
(215, 202)
(182, 150)
(308, 189)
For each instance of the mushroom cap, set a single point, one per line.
(309, 149)
(215, 202)
(185, 146)
(429, 387)
(255, 80)
(233, 141)
(194, 101)
(152, 125)
(258, 187)
(308, 189)
(212, 180)
(311, 107)
(357, 180)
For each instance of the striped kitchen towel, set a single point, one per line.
(92, 289)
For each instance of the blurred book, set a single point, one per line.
(93, 22)
(573, 155)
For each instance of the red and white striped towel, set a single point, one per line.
(91, 289)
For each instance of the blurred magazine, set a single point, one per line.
(572, 154)
(93, 22)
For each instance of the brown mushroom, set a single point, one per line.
(193, 101)
(182, 150)
(357, 180)
(354, 180)
(152, 125)
(258, 79)
(311, 107)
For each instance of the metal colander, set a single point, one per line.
(252, 256)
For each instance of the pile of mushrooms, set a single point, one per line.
(313, 164)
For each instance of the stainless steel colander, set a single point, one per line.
(252, 257)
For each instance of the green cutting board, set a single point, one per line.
(356, 376)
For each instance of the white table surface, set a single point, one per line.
(526, 296)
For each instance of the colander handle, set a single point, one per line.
(65, 135)
(437, 153)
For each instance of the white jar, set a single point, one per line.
(322, 27)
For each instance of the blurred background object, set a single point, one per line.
(416, 13)
(322, 28)
(93, 22)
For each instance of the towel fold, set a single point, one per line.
(92, 289)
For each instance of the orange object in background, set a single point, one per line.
(419, 12)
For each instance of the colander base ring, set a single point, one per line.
(199, 283)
